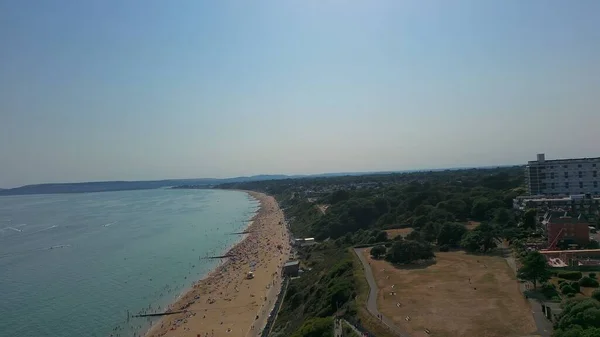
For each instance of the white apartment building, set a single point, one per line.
(563, 176)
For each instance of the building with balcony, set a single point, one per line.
(563, 176)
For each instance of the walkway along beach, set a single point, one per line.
(227, 303)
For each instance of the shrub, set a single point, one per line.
(570, 275)
(592, 275)
(567, 290)
(588, 282)
(378, 251)
(549, 290)
(561, 282)
(596, 295)
(575, 286)
(570, 295)
(444, 248)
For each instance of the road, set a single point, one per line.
(544, 326)
(372, 300)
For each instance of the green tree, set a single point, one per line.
(584, 313)
(378, 251)
(471, 241)
(529, 218)
(534, 268)
(480, 207)
(414, 235)
(489, 236)
(409, 251)
(451, 234)
(316, 327)
(501, 216)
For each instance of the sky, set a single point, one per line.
(96, 90)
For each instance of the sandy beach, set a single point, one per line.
(226, 303)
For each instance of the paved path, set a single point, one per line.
(544, 326)
(337, 328)
(372, 301)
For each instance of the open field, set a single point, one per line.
(392, 233)
(459, 295)
(471, 225)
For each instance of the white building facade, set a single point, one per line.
(563, 177)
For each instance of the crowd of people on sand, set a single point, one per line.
(257, 251)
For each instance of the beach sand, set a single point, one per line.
(226, 303)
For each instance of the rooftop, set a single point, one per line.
(291, 263)
(560, 161)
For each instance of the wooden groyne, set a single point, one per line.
(159, 314)
(218, 257)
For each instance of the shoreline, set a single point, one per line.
(214, 305)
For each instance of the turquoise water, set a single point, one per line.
(111, 252)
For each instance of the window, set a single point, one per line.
(552, 185)
(579, 165)
(566, 185)
(595, 174)
(566, 174)
(580, 174)
(551, 175)
(544, 186)
(564, 166)
(593, 165)
(580, 184)
(595, 184)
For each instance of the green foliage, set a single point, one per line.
(529, 218)
(534, 268)
(451, 234)
(592, 275)
(414, 235)
(471, 241)
(577, 331)
(583, 313)
(316, 327)
(378, 251)
(588, 282)
(575, 285)
(549, 290)
(567, 289)
(569, 275)
(596, 294)
(408, 251)
(444, 248)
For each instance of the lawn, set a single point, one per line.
(459, 295)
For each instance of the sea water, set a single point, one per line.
(76, 264)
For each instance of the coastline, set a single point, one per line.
(224, 302)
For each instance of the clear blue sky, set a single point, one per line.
(149, 89)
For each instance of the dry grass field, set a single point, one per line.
(459, 295)
(392, 233)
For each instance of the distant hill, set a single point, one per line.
(105, 186)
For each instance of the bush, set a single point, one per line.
(596, 295)
(587, 281)
(567, 289)
(569, 275)
(561, 282)
(444, 248)
(592, 275)
(549, 290)
(575, 286)
(570, 295)
(378, 251)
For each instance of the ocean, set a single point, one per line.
(74, 264)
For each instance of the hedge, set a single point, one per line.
(588, 282)
(569, 275)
